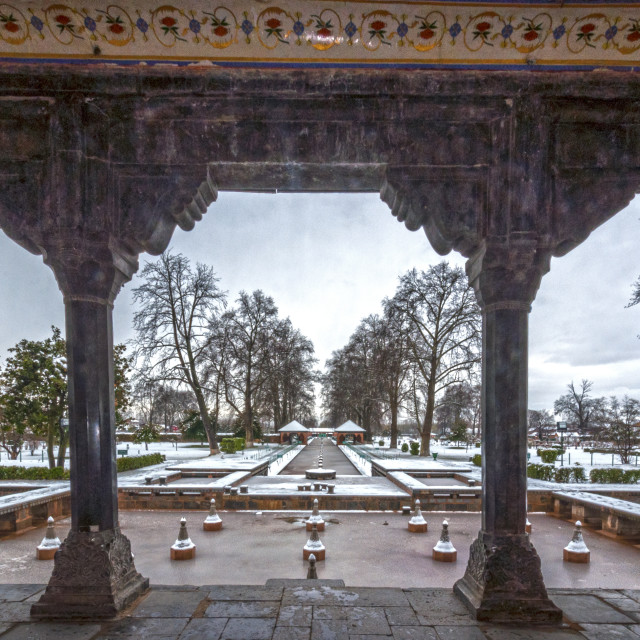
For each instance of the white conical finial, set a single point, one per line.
(315, 518)
(444, 551)
(576, 550)
(183, 548)
(312, 573)
(417, 523)
(212, 522)
(183, 541)
(50, 543)
(314, 545)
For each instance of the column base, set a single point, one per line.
(93, 577)
(503, 582)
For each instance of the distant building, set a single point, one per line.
(294, 430)
(349, 430)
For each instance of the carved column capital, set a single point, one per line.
(89, 269)
(506, 274)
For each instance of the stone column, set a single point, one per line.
(503, 581)
(94, 574)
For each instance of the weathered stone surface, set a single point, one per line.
(155, 628)
(254, 628)
(608, 631)
(333, 629)
(295, 616)
(245, 592)
(209, 628)
(503, 582)
(169, 604)
(93, 577)
(367, 620)
(18, 592)
(590, 609)
(242, 610)
(400, 616)
(292, 633)
(454, 633)
(52, 631)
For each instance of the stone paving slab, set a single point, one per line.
(52, 631)
(608, 631)
(169, 604)
(18, 592)
(590, 609)
(314, 610)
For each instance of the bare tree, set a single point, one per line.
(178, 305)
(458, 406)
(579, 408)
(443, 322)
(390, 365)
(351, 386)
(623, 426)
(541, 424)
(248, 329)
(288, 393)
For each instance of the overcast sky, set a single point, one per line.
(329, 259)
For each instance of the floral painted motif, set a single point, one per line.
(463, 33)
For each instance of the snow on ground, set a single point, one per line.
(572, 455)
(362, 465)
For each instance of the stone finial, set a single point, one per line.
(50, 543)
(315, 517)
(576, 550)
(183, 548)
(527, 526)
(213, 521)
(417, 524)
(312, 574)
(444, 551)
(314, 545)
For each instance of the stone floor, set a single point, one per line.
(319, 610)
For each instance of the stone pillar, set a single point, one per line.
(94, 574)
(503, 581)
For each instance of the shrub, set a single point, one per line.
(631, 476)
(404, 448)
(127, 463)
(33, 473)
(477, 459)
(477, 445)
(381, 443)
(563, 474)
(609, 475)
(231, 445)
(415, 448)
(541, 471)
(548, 455)
(578, 473)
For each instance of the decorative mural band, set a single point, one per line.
(325, 31)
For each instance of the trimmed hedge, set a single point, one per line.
(231, 445)
(613, 475)
(550, 473)
(541, 471)
(127, 463)
(415, 448)
(477, 459)
(33, 473)
(548, 456)
(404, 448)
